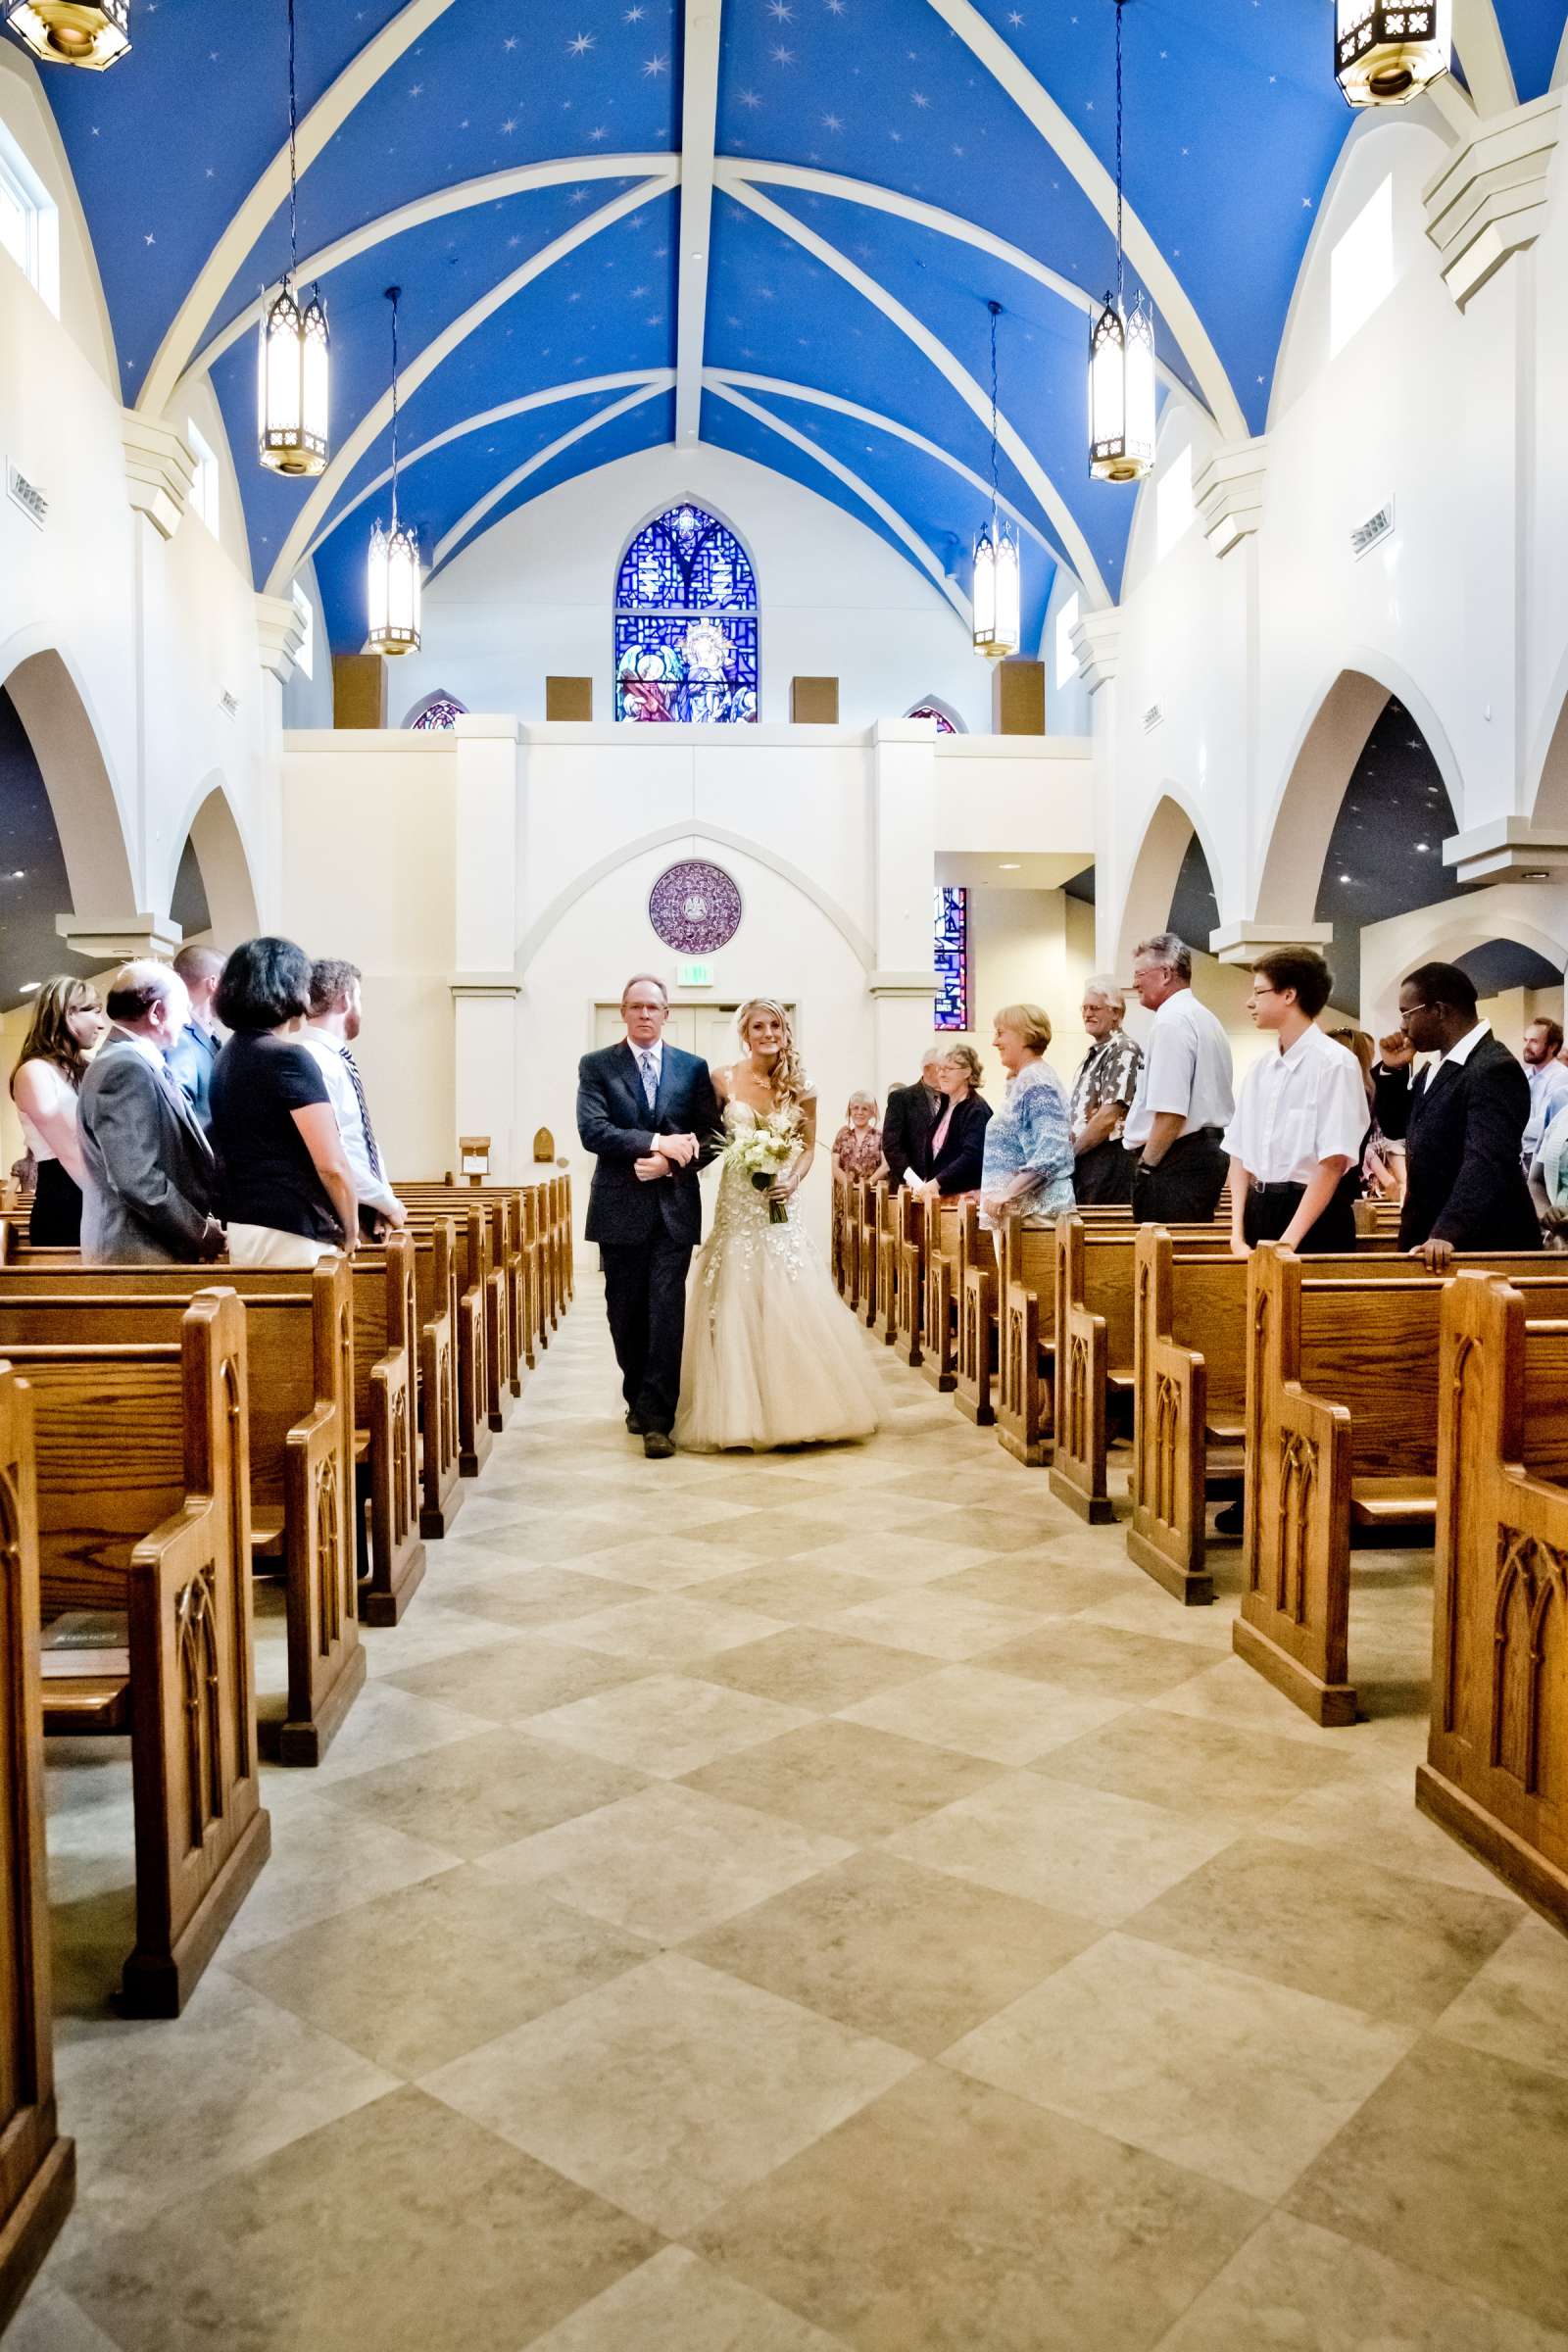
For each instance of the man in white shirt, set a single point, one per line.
(1548, 1083)
(1184, 1101)
(329, 1033)
(1301, 1118)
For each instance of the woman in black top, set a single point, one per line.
(287, 1188)
(958, 1136)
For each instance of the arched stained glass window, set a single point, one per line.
(944, 725)
(686, 622)
(439, 710)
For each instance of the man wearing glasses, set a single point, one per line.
(1295, 1139)
(1463, 1121)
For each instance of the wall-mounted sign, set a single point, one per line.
(694, 975)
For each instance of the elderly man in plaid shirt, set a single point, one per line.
(1101, 1094)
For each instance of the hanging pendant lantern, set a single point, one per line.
(72, 32)
(1386, 56)
(392, 582)
(1121, 359)
(995, 597)
(293, 383)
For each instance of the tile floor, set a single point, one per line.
(819, 1901)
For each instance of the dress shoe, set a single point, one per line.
(636, 1426)
(1231, 1521)
(658, 1445)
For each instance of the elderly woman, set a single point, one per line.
(1028, 1159)
(858, 1144)
(958, 1140)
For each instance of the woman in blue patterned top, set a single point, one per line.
(1027, 1169)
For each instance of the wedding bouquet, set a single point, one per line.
(764, 1151)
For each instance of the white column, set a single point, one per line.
(903, 984)
(484, 986)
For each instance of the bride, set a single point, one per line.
(770, 1356)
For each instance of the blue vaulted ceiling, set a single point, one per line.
(512, 165)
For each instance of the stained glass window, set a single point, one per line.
(439, 711)
(686, 622)
(944, 725)
(953, 957)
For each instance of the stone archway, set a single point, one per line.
(1152, 877)
(214, 833)
(59, 726)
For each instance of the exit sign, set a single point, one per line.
(694, 975)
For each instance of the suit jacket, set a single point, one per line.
(907, 1126)
(152, 1182)
(190, 1065)
(615, 1124)
(957, 1166)
(1462, 1124)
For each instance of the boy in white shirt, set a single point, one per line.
(1301, 1118)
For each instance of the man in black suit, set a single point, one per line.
(909, 1120)
(649, 1114)
(1461, 1120)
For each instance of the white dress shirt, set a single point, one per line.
(373, 1192)
(1548, 1092)
(1298, 1107)
(1186, 1070)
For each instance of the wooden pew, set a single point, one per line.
(1493, 1776)
(1026, 1340)
(37, 2168)
(874, 1214)
(918, 1220)
(901, 1224)
(1189, 1405)
(462, 1260)
(150, 1521)
(977, 1317)
(838, 1234)
(941, 1262)
(517, 1249)
(1342, 1420)
(299, 1345)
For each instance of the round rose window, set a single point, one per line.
(695, 907)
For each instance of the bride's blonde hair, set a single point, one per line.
(788, 1079)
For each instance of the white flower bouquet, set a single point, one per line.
(764, 1151)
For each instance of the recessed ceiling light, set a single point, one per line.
(1011, 865)
(31, 987)
(19, 873)
(1344, 877)
(1423, 845)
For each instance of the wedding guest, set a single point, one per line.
(958, 1140)
(1548, 1083)
(286, 1180)
(1463, 1121)
(1101, 1096)
(45, 1087)
(1302, 1114)
(336, 1018)
(1184, 1101)
(1027, 1157)
(150, 1194)
(858, 1144)
(1549, 1181)
(911, 1113)
(196, 1048)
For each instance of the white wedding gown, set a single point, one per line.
(771, 1357)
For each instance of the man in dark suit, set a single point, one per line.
(1461, 1120)
(649, 1114)
(909, 1120)
(151, 1194)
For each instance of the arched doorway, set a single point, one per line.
(1172, 873)
(210, 893)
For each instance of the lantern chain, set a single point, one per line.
(1122, 273)
(995, 308)
(393, 293)
(293, 129)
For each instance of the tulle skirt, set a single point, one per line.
(771, 1355)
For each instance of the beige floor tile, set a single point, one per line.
(486, 1793)
(1079, 1850)
(1204, 1769)
(1047, 1583)
(940, 1624)
(49, 2321)
(899, 1559)
(668, 1564)
(1378, 1822)
(679, 2303)
(1098, 1657)
(844, 1778)
(517, 1677)
(1229, 1691)
(670, 1862)
(159, 2109)
(665, 1629)
(536, 1540)
(416, 1979)
(795, 1529)
(812, 1667)
(1455, 2167)
(1148, 1610)
(670, 2088)
(794, 1592)
(911, 1955)
(949, 2216)
(432, 1634)
(1226, 2075)
(667, 1724)
(980, 1713)
(1297, 2286)
(324, 1860)
(387, 1723)
(1384, 1942)
(398, 2228)
(530, 1598)
(1517, 2005)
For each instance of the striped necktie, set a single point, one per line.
(371, 1152)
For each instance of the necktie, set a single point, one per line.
(371, 1152)
(650, 1082)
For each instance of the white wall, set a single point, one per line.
(534, 597)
